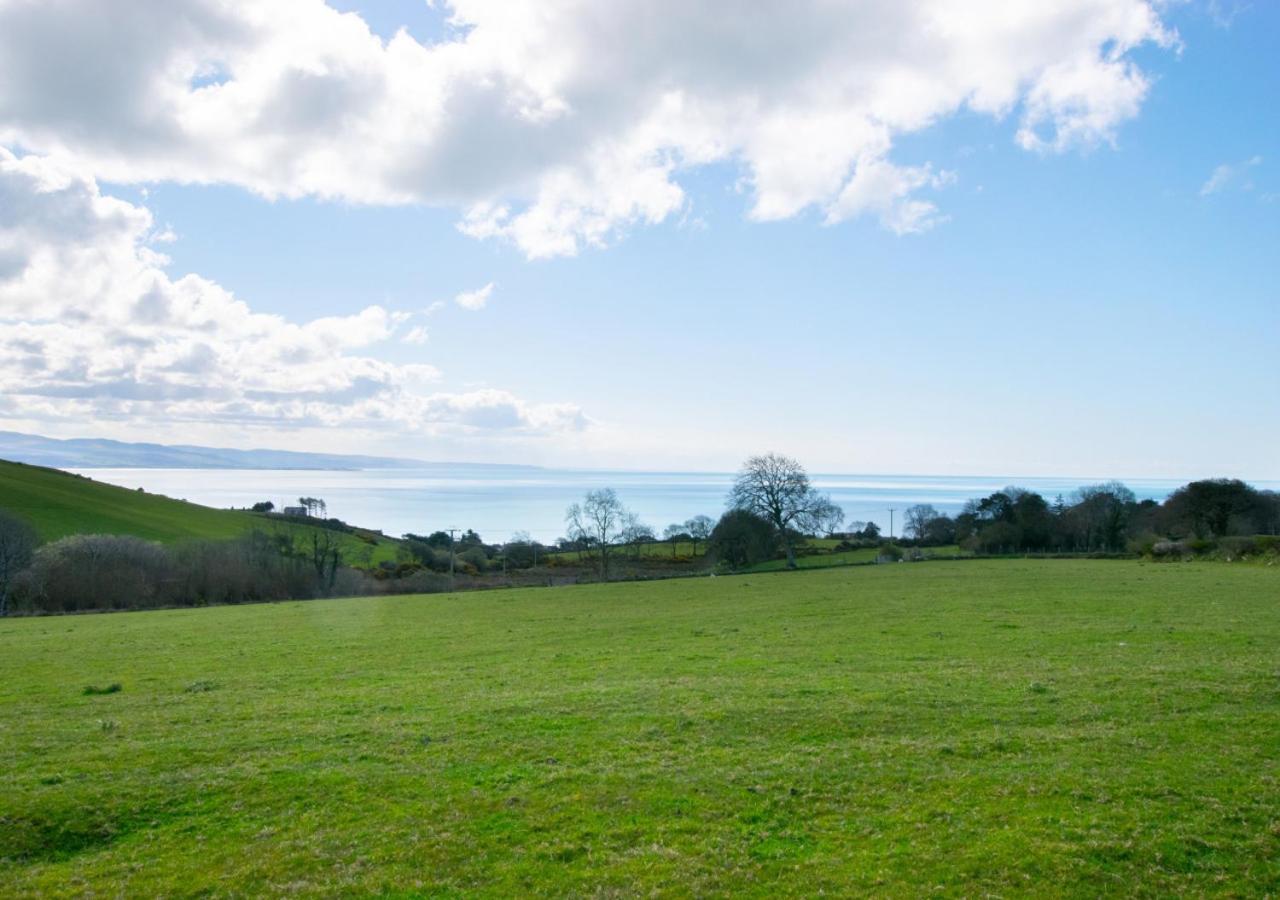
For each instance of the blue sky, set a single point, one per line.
(1107, 308)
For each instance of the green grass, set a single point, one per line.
(660, 550)
(1012, 727)
(59, 504)
(860, 556)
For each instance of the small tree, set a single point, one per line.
(675, 533)
(777, 489)
(827, 517)
(265, 506)
(699, 528)
(326, 555)
(635, 533)
(18, 542)
(598, 520)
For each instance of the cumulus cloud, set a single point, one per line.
(92, 328)
(559, 124)
(1228, 175)
(476, 299)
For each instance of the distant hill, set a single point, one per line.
(59, 504)
(81, 453)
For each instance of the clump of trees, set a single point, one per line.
(777, 489)
(693, 531)
(110, 572)
(1099, 518)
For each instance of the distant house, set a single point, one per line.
(294, 511)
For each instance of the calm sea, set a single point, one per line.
(497, 501)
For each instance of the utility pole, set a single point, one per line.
(891, 512)
(451, 531)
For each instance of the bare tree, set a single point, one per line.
(777, 489)
(827, 517)
(635, 533)
(325, 555)
(674, 533)
(18, 541)
(699, 528)
(917, 519)
(598, 520)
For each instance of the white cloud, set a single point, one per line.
(416, 335)
(1228, 175)
(1224, 12)
(93, 329)
(559, 124)
(476, 299)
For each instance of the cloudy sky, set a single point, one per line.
(924, 236)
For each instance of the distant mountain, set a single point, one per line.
(80, 453)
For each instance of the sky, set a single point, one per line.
(893, 236)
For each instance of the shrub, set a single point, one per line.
(91, 690)
(742, 538)
(889, 553)
(1144, 544)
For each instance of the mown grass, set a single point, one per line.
(59, 504)
(1060, 727)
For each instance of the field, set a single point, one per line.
(660, 550)
(831, 557)
(1003, 727)
(59, 504)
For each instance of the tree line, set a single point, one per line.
(772, 509)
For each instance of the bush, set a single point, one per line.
(742, 538)
(1170, 550)
(1144, 544)
(475, 558)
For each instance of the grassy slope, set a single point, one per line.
(1008, 727)
(59, 503)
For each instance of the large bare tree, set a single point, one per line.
(599, 519)
(777, 489)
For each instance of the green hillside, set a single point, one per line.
(59, 504)
(991, 728)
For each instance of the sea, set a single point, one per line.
(498, 501)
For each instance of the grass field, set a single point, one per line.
(859, 556)
(980, 728)
(661, 550)
(59, 504)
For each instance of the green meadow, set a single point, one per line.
(1010, 727)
